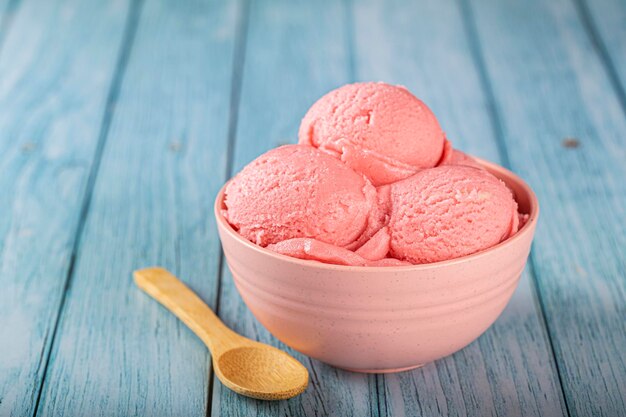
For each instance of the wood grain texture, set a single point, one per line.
(548, 85)
(296, 51)
(536, 85)
(56, 68)
(510, 370)
(606, 23)
(8, 9)
(117, 352)
(4, 8)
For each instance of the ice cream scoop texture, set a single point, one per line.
(372, 182)
(297, 191)
(378, 129)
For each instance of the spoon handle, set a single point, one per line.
(168, 290)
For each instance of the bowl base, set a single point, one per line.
(384, 371)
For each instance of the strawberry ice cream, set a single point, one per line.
(380, 130)
(448, 212)
(297, 191)
(312, 249)
(318, 200)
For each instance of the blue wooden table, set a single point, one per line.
(120, 120)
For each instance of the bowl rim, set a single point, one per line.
(491, 167)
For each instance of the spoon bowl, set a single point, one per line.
(259, 372)
(247, 367)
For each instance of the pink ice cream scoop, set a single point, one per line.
(380, 130)
(298, 191)
(447, 212)
(315, 250)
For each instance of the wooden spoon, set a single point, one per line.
(247, 367)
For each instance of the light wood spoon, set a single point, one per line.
(247, 367)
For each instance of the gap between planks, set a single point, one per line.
(601, 49)
(127, 41)
(239, 56)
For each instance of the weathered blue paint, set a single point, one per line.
(117, 352)
(56, 67)
(120, 120)
(551, 92)
(605, 21)
(8, 9)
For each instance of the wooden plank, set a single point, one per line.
(7, 12)
(510, 370)
(549, 85)
(117, 351)
(57, 65)
(606, 23)
(291, 60)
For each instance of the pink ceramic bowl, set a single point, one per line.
(380, 319)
